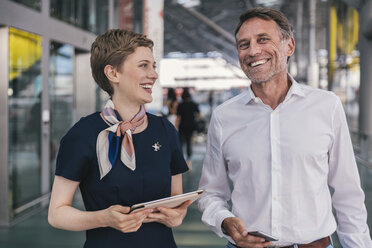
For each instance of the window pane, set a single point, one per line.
(128, 14)
(35, 4)
(90, 15)
(101, 13)
(61, 88)
(24, 117)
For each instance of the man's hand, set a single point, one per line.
(238, 232)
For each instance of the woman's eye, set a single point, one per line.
(143, 65)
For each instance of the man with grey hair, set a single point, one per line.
(283, 145)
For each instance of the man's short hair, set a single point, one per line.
(112, 48)
(284, 25)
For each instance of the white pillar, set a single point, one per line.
(365, 91)
(313, 69)
(153, 23)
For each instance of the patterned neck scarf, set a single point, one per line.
(108, 141)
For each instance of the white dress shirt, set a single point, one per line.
(281, 163)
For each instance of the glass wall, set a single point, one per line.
(35, 4)
(90, 15)
(61, 93)
(24, 117)
(344, 67)
(138, 16)
(128, 14)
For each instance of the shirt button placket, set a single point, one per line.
(275, 173)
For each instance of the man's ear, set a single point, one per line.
(111, 73)
(290, 46)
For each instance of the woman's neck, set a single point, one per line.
(126, 110)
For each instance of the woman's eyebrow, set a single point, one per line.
(145, 60)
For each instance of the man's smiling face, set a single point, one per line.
(262, 50)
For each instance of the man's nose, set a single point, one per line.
(254, 49)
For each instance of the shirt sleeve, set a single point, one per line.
(178, 163)
(343, 177)
(73, 155)
(214, 202)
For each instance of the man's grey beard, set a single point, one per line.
(268, 77)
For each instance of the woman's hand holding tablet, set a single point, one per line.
(168, 202)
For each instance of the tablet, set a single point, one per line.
(169, 202)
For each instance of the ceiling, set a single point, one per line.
(202, 26)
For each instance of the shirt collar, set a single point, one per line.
(247, 96)
(295, 89)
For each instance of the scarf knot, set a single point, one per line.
(109, 139)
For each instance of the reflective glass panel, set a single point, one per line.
(24, 117)
(128, 14)
(138, 16)
(61, 94)
(90, 15)
(35, 4)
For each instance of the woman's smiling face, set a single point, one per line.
(137, 76)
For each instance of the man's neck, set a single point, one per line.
(274, 91)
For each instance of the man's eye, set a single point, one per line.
(262, 39)
(243, 45)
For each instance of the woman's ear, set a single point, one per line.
(111, 73)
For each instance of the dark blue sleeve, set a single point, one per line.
(179, 109)
(178, 163)
(74, 154)
(196, 108)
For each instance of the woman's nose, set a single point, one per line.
(153, 74)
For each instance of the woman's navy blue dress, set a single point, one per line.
(77, 161)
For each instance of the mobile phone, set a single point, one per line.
(266, 236)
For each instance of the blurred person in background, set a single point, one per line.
(172, 105)
(120, 156)
(187, 113)
(211, 100)
(283, 145)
